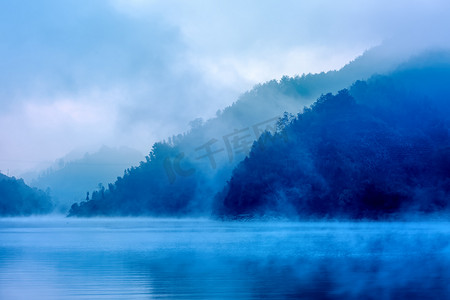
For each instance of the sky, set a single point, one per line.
(78, 74)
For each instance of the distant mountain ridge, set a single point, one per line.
(18, 199)
(181, 177)
(380, 149)
(70, 180)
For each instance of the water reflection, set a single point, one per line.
(201, 259)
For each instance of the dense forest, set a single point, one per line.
(18, 199)
(181, 175)
(143, 190)
(379, 147)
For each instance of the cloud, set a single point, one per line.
(41, 131)
(146, 68)
(65, 46)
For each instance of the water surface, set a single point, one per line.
(60, 258)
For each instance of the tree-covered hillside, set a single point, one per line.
(18, 199)
(382, 147)
(181, 176)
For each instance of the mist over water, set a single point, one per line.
(59, 258)
(224, 149)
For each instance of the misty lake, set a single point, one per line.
(65, 258)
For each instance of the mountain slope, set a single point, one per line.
(18, 199)
(181, 176)
(378, 149)
(70, 179)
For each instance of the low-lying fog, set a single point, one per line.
(60, 258)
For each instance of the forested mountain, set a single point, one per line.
(18, 199)
(181, 176)
(380, 148)
(69, 179)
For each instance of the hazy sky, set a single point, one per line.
(76, 74)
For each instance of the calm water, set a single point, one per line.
(199, 259)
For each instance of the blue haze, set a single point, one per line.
(376, 149)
